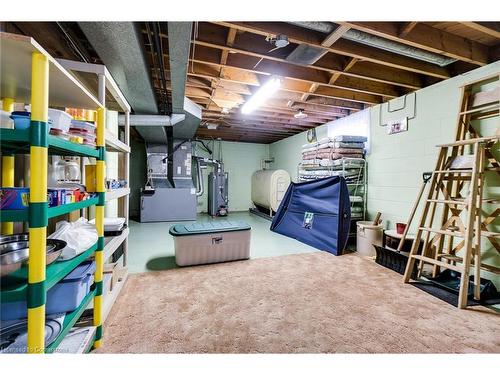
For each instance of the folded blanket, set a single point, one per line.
(350, 138)
(349, 145)
(308, 145)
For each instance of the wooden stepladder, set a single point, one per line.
(454, 218)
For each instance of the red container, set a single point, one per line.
(400, 228)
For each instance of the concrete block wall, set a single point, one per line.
(396, 162)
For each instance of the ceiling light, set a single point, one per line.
(264, 92)
(212, 126)
(225, 110)
(300, 114)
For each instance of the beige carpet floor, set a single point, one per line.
(306, 303)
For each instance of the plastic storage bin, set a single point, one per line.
(211, 242)
(67, 294)
(60, 120)
(21, 119)
(367, 236)
(63, 297)
(83, 126)
(14, 198)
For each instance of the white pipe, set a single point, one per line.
(152, 120)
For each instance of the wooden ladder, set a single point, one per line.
(456, 193)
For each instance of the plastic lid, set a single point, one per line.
(369, 225)
(208, 227)
(84, 269)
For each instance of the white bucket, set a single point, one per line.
(367, 236)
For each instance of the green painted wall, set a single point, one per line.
(287, 152)
(241, 160)
(396, 162)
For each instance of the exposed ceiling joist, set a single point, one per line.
(331, 63)
(252, 79)
(489, 28)
(428, 38)
(407, 28)
(343, 47)
(307, 74)
(335, 35)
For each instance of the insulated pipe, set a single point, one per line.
(213, 162)
(38, 209)
(200, 178)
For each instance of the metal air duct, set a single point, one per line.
(120, 47)
(378, 42)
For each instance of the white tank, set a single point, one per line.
(269, 186)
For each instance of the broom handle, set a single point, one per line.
(426, 177)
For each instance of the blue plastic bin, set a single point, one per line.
(63, 297)
(21, 119)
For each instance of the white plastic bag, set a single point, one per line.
(79, 236)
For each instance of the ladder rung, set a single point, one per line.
(462, 201)
(454, 171)
(451, 257)
(470, 141)
(486, 267)
(447, 201)
(489, 234)
(491, 200)
(440, 231)
(485, 108)
(438, 263)
(484, 233)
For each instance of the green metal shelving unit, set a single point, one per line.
(29, 68)
(15, 141)
(23, 215)
(15, 286)
(69, 321)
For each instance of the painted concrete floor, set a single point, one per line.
(151, 247)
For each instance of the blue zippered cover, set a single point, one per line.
(317, 213)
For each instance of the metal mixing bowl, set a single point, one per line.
(14, 252)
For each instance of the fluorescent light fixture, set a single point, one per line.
(264, 92)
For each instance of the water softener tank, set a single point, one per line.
(268, 187)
